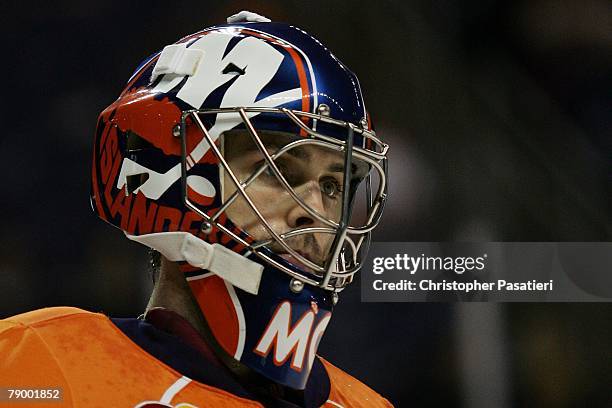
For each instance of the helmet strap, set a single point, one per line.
(223, 262)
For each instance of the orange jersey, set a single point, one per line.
(96, 365)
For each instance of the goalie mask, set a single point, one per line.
(244, 152)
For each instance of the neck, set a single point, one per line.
(172, 292)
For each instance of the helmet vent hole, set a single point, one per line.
(135, 142)
(233, 69)
(134, 181)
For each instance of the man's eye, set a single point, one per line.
(330, 187)
(269, 172)
(282, 168)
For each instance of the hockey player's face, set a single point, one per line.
(316, 175)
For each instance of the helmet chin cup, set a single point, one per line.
(276, 332)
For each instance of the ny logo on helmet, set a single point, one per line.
(253, 60)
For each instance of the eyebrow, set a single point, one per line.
(337, 167)
(303, 154)
(300, 153)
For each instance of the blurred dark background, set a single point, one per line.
(499, 115)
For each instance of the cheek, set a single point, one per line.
(269, 203)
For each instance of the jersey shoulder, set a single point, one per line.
(39, 324)
(86, 356)
(347, 391)
(43, 317)
(29, 348)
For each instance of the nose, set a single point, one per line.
(311, 194)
